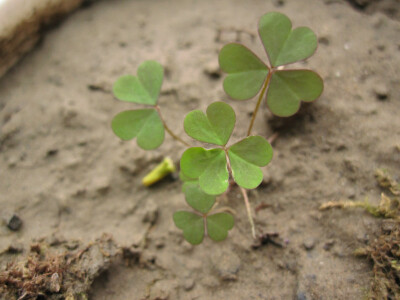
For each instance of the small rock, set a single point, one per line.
(55, 283)
(188, 284)
(351, 165)
(227, 265)
(212, 70)
(381, 91)
(15, 248)
(51, 152)
(14, 223)
(309, 244)
(323, 41)
(301, 296)
(328, 245)
(279, 3)
(388, 226)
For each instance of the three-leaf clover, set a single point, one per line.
(247, 73)
(194, 224)
(210, 166)
(144, 124)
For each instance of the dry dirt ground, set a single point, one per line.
(66, 175)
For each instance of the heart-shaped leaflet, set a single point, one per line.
(246, 158)
(215, 128)
(196, 198)
(284, 45)
(209, 166)
(192, 226)
(246, 72)
(288, 88)
(143, 88)
(145, 124)
(218, 226)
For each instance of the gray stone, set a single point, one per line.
(14, 223)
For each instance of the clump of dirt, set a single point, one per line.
(57, 269)
(384, 252)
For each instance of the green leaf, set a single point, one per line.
(192, 226)
(288, 88)
(143, 88)
(246, 72)
(246, 158)
(284, 45)
(185, 178)
(218, 226)
(215, 128)
(209, 166)
(145, 124)
(196, 198)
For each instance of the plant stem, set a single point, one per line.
(248, 208)
(174, 136)
(245, 197)
(253, 118)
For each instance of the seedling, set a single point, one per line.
(206, 172)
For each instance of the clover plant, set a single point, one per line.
(208, 171)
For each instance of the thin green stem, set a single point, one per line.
(260, 97)
(174, 136)
(249, 214)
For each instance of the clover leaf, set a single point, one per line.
(215, 128)
(288, 88)
(218, 226)
(145, 124)
(246, 158)
(192, 225)
(209, 166)
(247, 74)
(196, 198)
(284, 45)
(143, 88)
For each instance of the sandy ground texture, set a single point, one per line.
(68, 178)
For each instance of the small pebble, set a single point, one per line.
(15, 248)
(212, 70)
(323, 41)
(309, 244)
(188, 284)
(388, 226)
(14, 223)
(301, 296)
(328, 245)
(381, 91)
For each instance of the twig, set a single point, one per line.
(248, 208)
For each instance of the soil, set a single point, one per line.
(64, 174)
